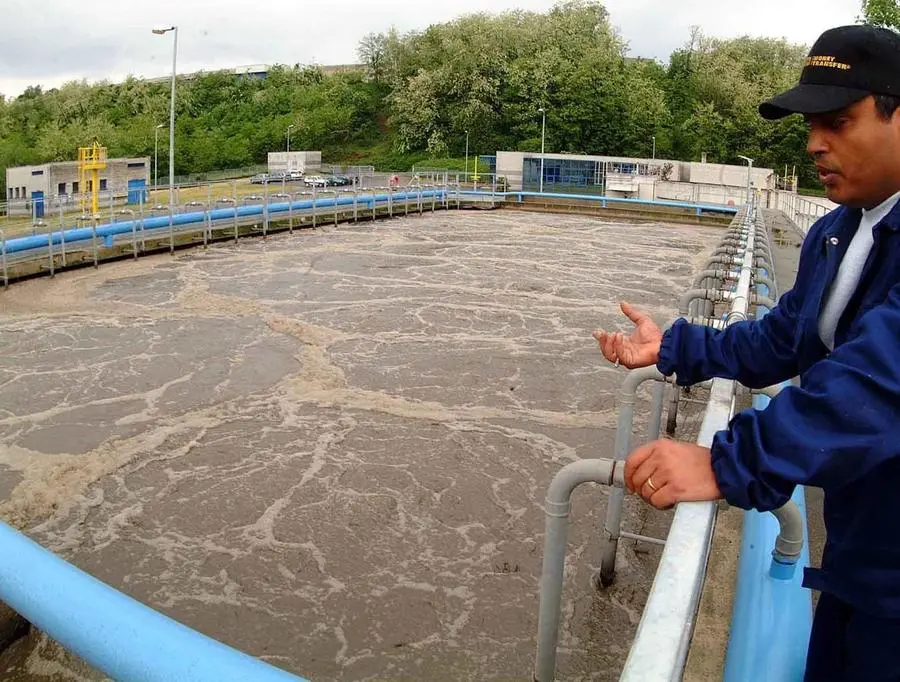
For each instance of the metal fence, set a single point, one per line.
(803, 211)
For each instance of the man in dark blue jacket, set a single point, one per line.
(839, 330)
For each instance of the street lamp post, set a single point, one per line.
(289, 138)
(543, 139)
(160, 32)
(749, 171)
(156, 156)
(654, 148)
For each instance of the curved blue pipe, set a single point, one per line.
(108, 230)
(772, 616)
(112, 632)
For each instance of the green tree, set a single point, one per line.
(881, 13)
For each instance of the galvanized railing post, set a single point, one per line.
(3, 259)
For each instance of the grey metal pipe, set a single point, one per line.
(759, 299)
(713, 274)
(558, 504)
(610, 541)
(722, 259)
(764, 281)
(672, 416)
(789, 542)
(728, 250)
(704, 294)
(656, 408)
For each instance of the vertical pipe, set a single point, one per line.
(291, 213)
(3, 258)
(94, 240)
(654, 428)
(613, 523)
(171, 232)
(62, 234)
(209, 206)
(315, 201)
(134, 248)
(356, 204)
(141, 204)
(335, 208)
(390, 202)
(265, 208)
(374, 195)
(50, 252)
(556, 512)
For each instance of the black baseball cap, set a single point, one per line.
(845, 65)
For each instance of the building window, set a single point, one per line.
(102, 184)
(137, 164)
(37, 172)
(61, 190)
(565, 172)
(17, 192)
(74, 188)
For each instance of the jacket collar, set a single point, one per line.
(845, 217)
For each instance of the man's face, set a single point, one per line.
(857, 153)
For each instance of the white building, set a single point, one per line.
(617, 176)
(305, 162)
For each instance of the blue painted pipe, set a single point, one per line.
(112, 632)
(106, 230)
(772, 616)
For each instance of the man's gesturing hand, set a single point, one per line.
(666, 472)
(640, 349)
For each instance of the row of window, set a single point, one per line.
(61, 189)
(580, 172)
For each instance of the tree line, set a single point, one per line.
(418, 93)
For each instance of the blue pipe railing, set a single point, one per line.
(772, 616)
(108, 230)
(110, 631)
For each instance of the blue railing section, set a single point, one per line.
(772, 616)
(108, 230)
(110, 631)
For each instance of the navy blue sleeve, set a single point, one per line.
(839, 426)
(758, 353)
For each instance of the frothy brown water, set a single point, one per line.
(331, 450)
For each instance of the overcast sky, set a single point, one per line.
(49, 42)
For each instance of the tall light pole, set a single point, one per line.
(543, 139)
(749, 170)
(156, 156)
(654, 148)
(466, 176)
(289, 137)
(161, 32)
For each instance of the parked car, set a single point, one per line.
(259, 179)
(315, 181)
(295, 175)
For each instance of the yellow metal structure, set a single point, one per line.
(91, 160)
